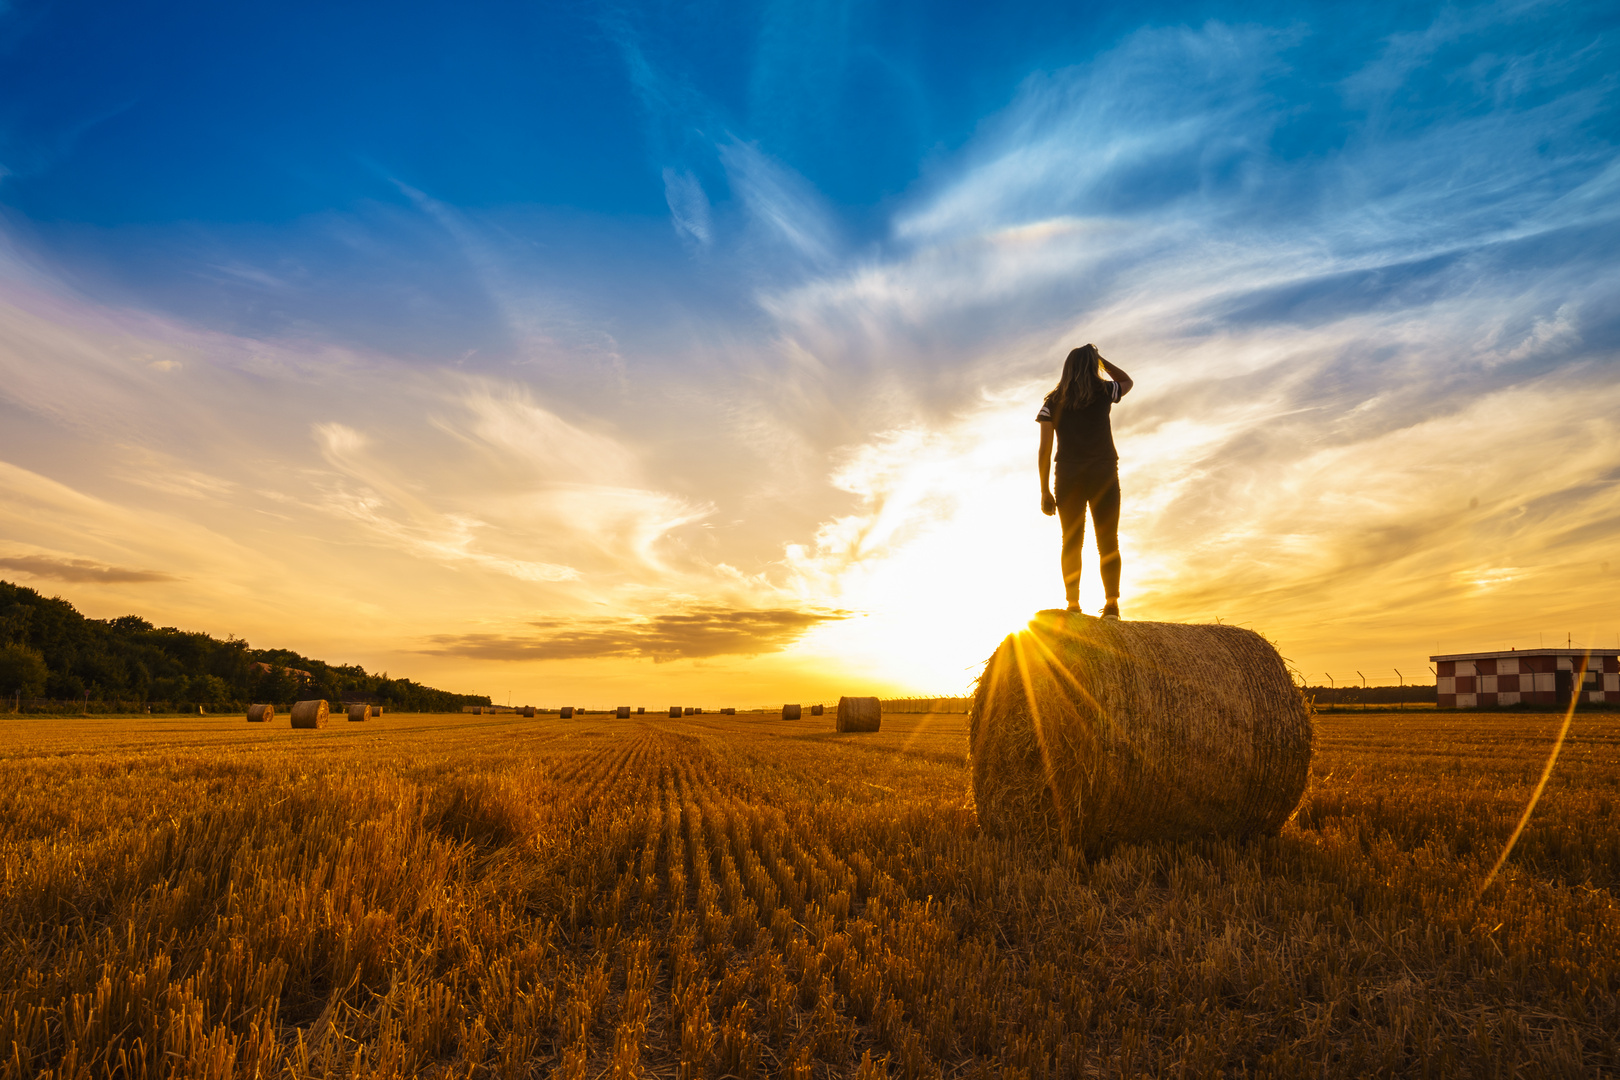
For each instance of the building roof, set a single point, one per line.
(1498, 654)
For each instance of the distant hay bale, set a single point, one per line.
(359, 712)
(528, 712)
(309, 714)
(622, 712)
(728, 712)
(640, 709)
(566, 712)
(1095, 732)
(376, 710)
(674, 710)
(687, 710)
(817, 710)
(858, 714)
(261, 714)
(791, 712)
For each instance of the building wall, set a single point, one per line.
(1522, 680)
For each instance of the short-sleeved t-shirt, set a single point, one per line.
(1084, 434)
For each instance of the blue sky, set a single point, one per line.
(558, 332)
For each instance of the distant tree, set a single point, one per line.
(22, 670)
(210, 690)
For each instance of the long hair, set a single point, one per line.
(1080, 382)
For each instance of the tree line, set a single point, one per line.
(1372, 695)
(48, 649)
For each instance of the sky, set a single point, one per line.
(602, 354)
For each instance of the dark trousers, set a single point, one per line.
(1096, 486)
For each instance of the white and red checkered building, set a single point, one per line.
(1526, 677)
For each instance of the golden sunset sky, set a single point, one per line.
(708, 400)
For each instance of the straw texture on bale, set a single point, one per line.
(791, 712)
(858, 714)
(1095, 732)
(566, 712)
(622, 712)
(359, 712)
(261, 714)
(309, 714)
(674, 710)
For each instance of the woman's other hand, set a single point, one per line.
(1048, 504)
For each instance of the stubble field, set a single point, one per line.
(718, 896)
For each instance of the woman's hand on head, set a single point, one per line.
(1048, 504)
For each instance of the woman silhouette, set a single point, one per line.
(1087, 466)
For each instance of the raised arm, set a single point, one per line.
(1119, 376)
(1048, 504)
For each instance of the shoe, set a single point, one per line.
(1111, 610)
(1074, 605)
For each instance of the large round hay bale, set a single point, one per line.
(622, 712)
(566, 712)
(791, 712)
(858, 714)
(359, 712)
(1096, 732)
(309, 714)
(261, 714)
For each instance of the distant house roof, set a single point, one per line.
(267, 669)
(1499, 654)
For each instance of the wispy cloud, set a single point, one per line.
(688, 205)
(695, 633)
(79, 570)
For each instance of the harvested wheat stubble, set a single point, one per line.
(309, 714)
(261, 714)
(817, 710)
(1098, 732)
(791, 712)
(858, 714)
(359, 712)
(622, 712)
(566, 712)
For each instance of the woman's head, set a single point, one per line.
(1081, 380)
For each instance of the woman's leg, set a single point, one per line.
(1105, 520)
(1071, 508)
